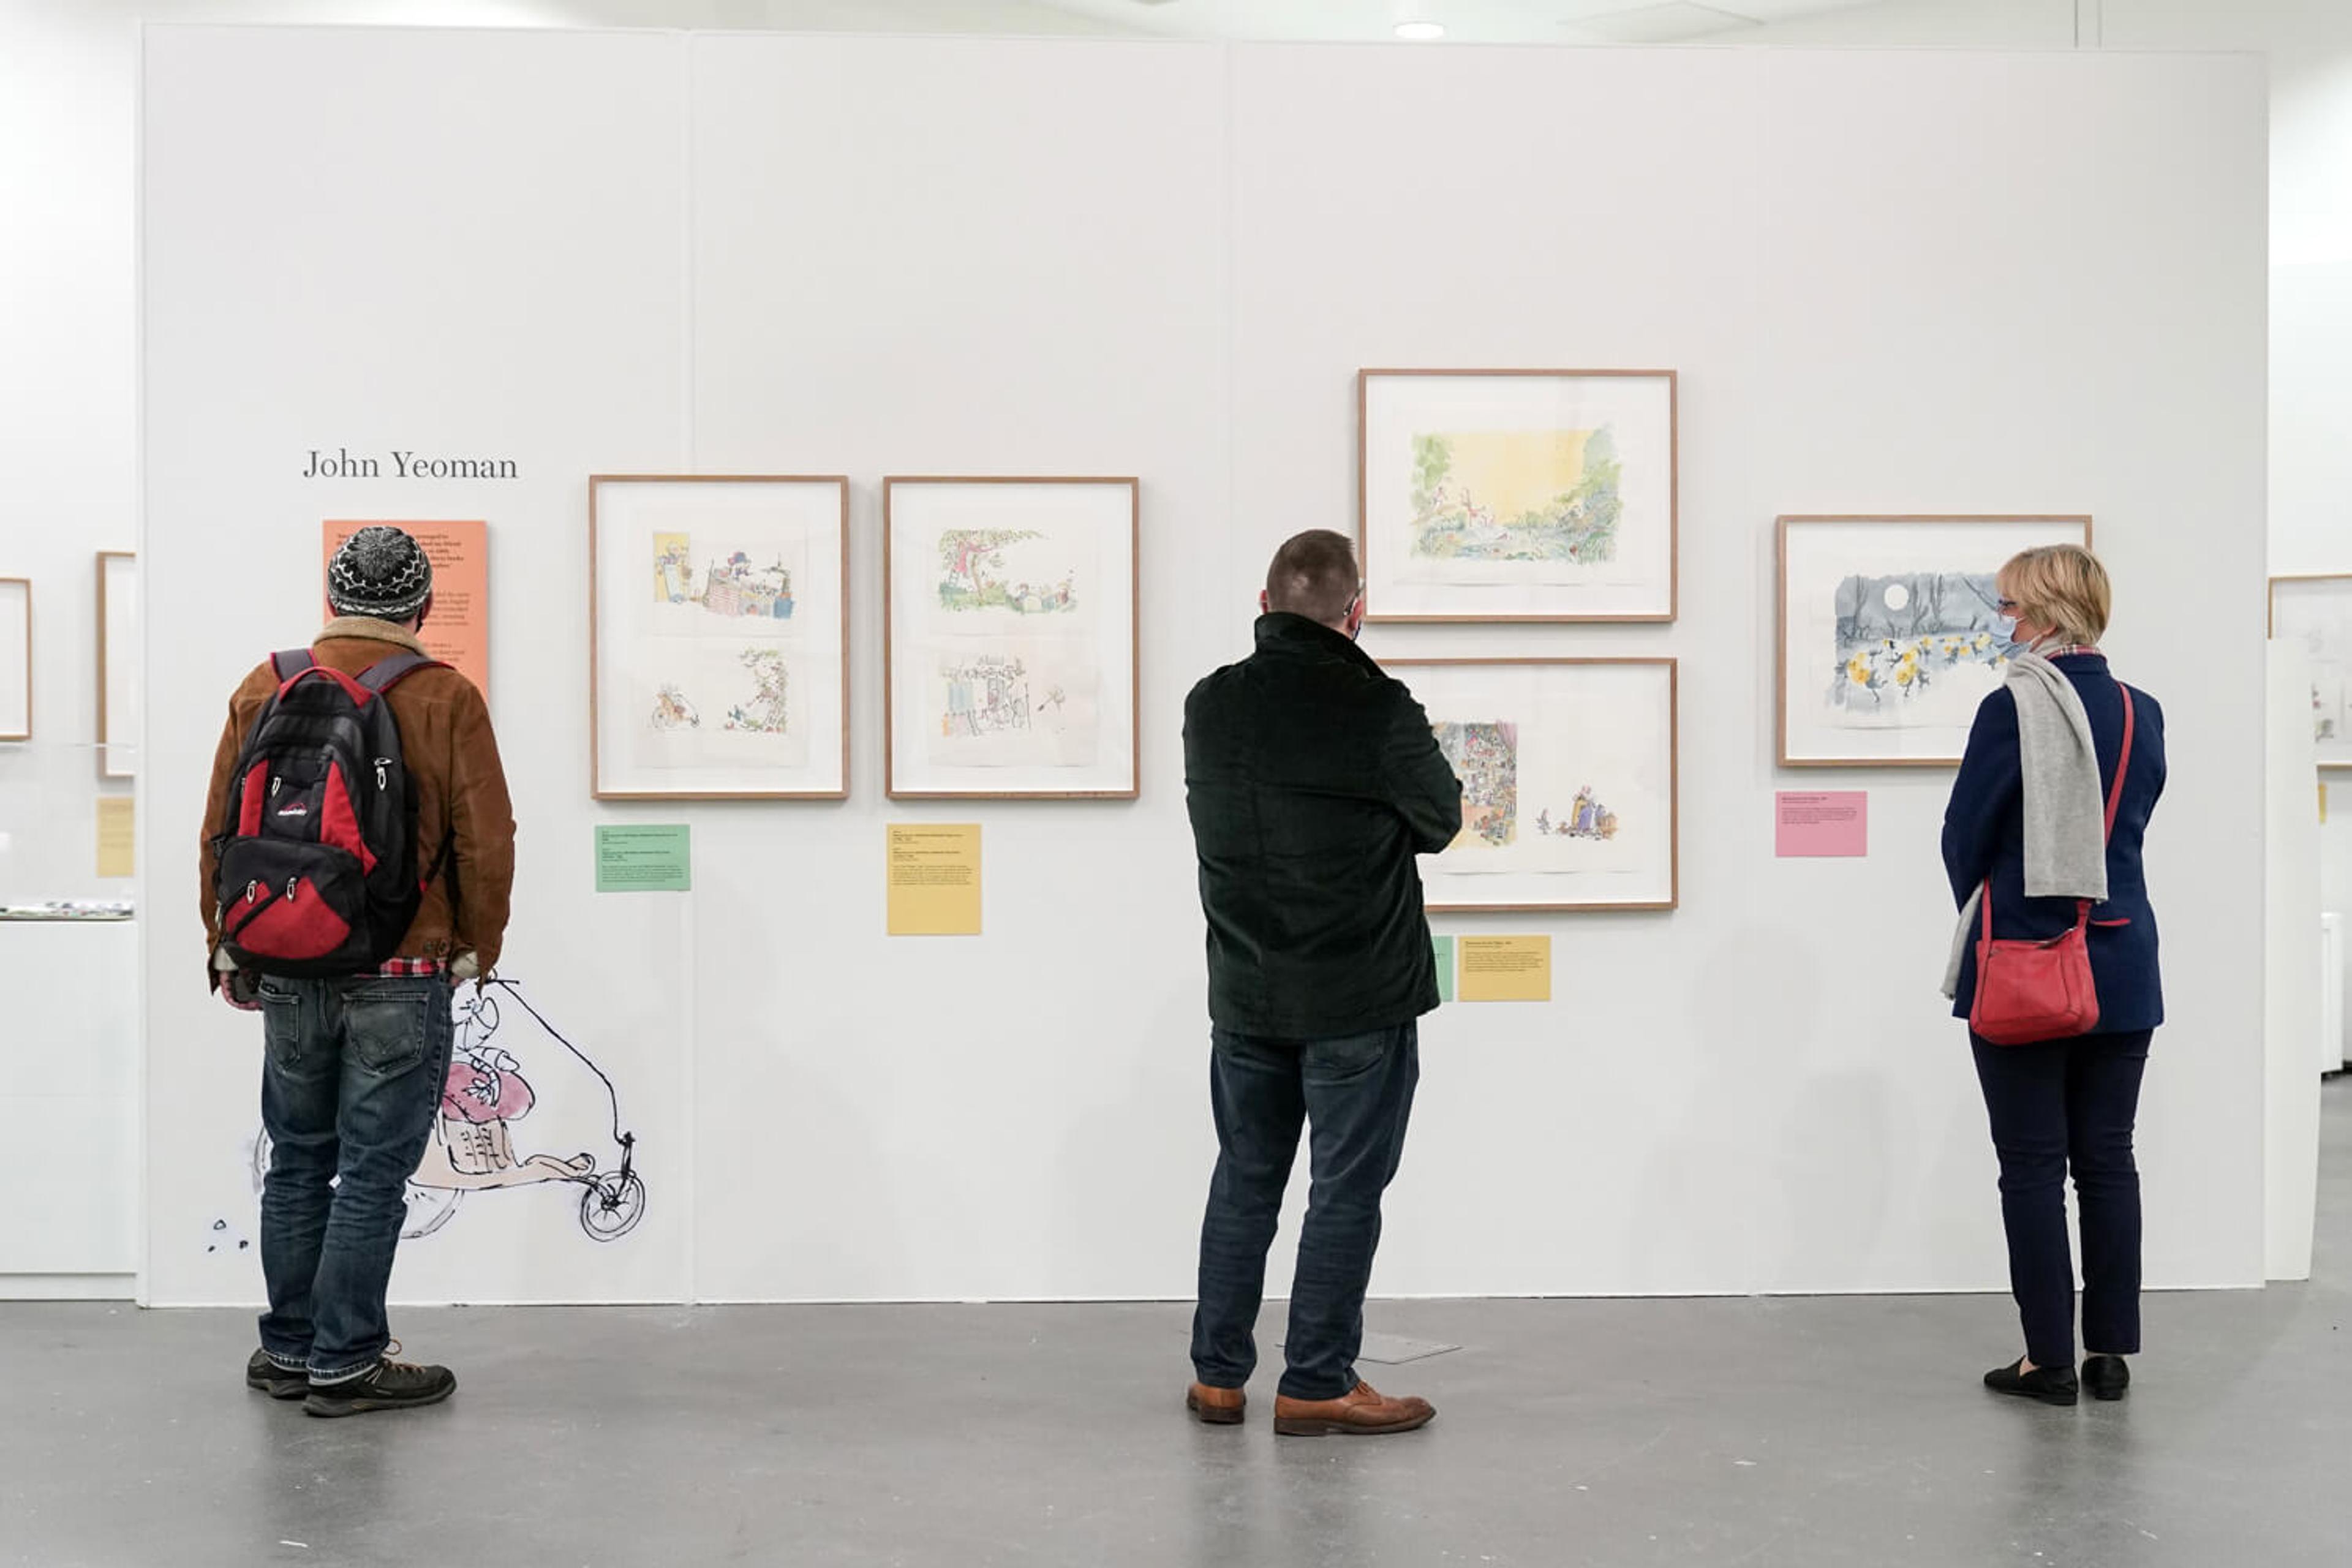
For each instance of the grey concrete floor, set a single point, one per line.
(1824, 1433)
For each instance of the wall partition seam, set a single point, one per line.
(2090, 21)
(690, 1284)
(142, 906)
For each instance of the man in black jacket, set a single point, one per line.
(1313, 780)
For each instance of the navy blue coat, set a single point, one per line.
(1984, 836)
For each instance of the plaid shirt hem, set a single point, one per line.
(414, 968)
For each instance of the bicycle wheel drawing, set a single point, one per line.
(612, 1206)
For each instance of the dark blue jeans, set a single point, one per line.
(1355, 1092)
(2061, 1103)
(350, 1087)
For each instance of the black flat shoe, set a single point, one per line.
(2052, 1385)
(2106, 1376)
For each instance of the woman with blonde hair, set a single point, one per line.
(2064, 767)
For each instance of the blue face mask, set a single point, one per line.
(2005, 629)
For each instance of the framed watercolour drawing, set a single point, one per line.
(15, 658)
(1890, 634)
(1516, 495)
(719, 636)
(1009, 637)
(118, 676)
(2315, 613)
(1568, 781)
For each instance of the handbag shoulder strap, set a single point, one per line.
(2114, 800)
(2122, 761)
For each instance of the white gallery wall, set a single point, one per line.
(2307, 47)
(473, 248)
(1901, 283)
(962, 258)
(1853, 268)
(69, 310)
(69, 477)
(68, 87)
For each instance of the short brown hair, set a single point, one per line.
(2060, 586)
(1314, 574)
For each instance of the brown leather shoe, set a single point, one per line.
(1214, 1407)
(1362, 1413)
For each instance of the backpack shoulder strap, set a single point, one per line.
(386, 673)
(380, 678)
(285, 666)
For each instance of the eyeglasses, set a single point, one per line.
(2007, 606)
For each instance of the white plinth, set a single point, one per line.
(69, 1107)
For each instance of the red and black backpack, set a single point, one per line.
(317, 848)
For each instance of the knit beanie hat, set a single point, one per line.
(379, 572)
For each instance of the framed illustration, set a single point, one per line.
(719, 636)
(118, 677)
(2315, 612)
(1570, 781)
(1009, 637)
(1890, 634)
(15, 658)
(1516, 495)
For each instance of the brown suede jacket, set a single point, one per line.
(461, 790)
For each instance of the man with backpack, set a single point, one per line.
(358, 857)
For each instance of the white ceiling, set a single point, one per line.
(1466, 21)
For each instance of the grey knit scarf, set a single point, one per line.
(2065, 811)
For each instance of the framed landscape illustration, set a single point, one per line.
(2315, 613)
(118, 677)
(719, 636)
(1569, 770)
(15, 658)
(1009, 637)
(1516, 495)
(1890, 635)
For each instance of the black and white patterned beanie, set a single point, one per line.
(379, 572)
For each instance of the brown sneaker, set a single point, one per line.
(1363, 1414)
(1214, 1407)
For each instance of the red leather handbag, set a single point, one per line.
(2028, 992)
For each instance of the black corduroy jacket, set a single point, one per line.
(1313, 780)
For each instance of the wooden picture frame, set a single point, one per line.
(746, 752)
(15, 649)
(1924, 568)
(1628, 762)
(1448, 559)
(1084, 628)
(119, 689)
(2325, 629)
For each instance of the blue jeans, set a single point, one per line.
(1355, 1092)
(2059, 1104)
(350, 1087)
